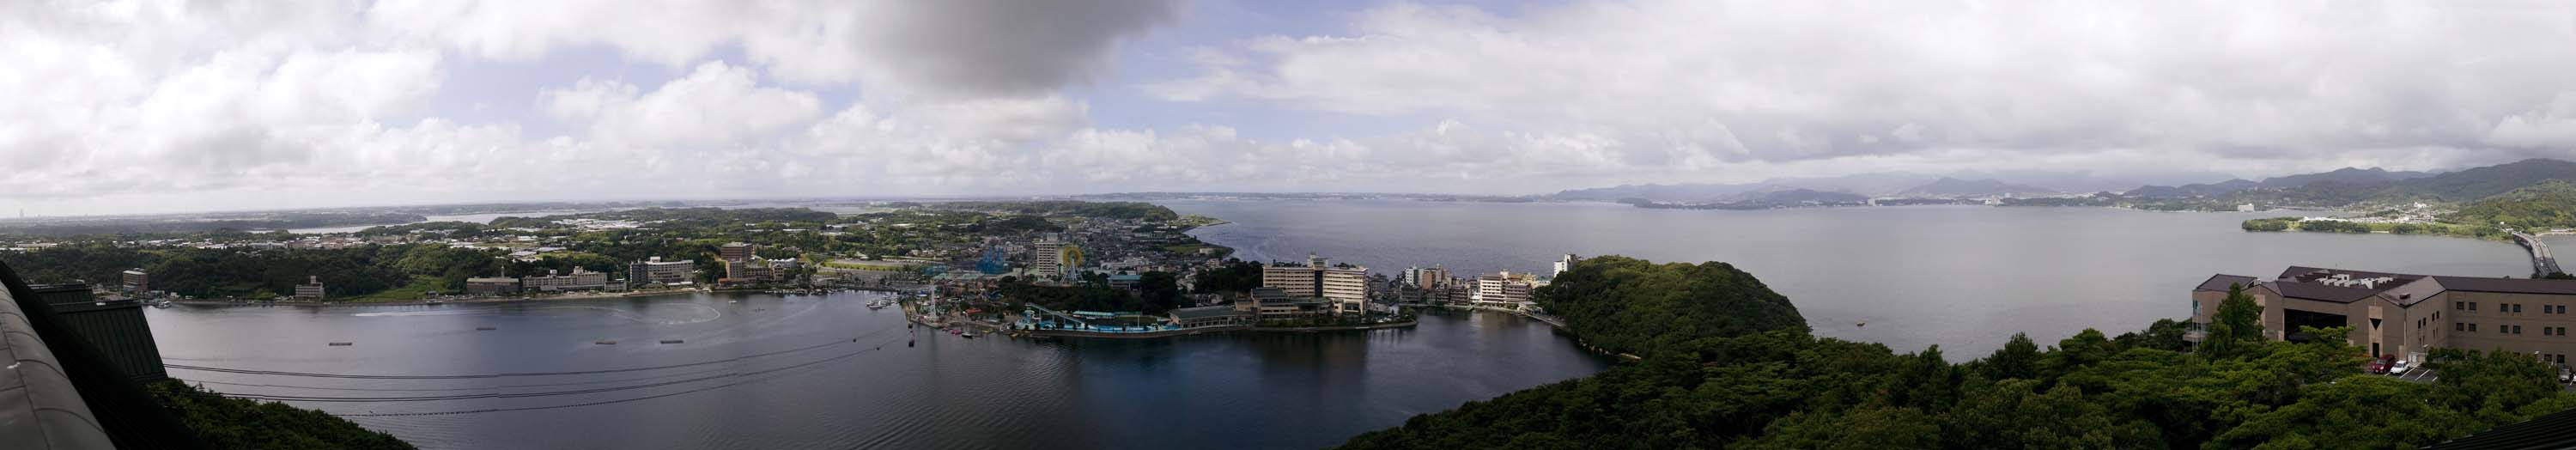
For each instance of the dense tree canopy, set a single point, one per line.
(1783, 389)
(1631, 305)
(228, 423)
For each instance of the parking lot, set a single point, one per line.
(2419, 375)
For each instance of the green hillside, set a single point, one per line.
(1760, 381)
(2545, 206)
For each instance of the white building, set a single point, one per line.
(578, 280)
(656, 270)
(1344, 286)
(1504, 290)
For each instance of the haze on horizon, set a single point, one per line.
(123, 107)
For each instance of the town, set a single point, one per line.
(1037, 269)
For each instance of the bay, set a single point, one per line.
(817, 372)
(1962, 277)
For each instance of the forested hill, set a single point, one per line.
(1711, 380)
(1631, 305)
(2545, 206)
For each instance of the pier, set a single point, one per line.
(2542, 264)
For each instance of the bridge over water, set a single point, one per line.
(2541, 262)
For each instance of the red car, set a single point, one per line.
(2380, 366)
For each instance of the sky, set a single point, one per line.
(113, 107)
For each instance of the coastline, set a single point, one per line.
(421, 303)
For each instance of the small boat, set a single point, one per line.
(604, 342)
(968, 335)
(955, 331)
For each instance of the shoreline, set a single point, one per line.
(1208, 330)
(447, 302)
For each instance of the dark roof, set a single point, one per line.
(2220, 282)
(2550, 431)
(2319, 292)
(2302, 273)
(2507, 285)
(1206, 312)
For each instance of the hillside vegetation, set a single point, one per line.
(2545, 206)
(230, 423)
(1760, 381)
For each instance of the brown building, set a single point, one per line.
(2404, 314)
(311, 289)
(491, 286)
(135, 281)
(734, 252)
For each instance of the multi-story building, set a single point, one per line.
(2403, 314)
(491, 286)
(1344, 287)
(1270, 303)
(578, 280)
(1564, 264)
(1504, 290)
(135, 281)
(1426, 277)
(311, 289)
(1046, 259)
(735, 251)
(656, 270)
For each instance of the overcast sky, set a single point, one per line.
(128, 107)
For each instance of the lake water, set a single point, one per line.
(1963, 277)
(772, 372)
(759, 371)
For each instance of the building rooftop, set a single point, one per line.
(1203, 312)
(2346, 286)
(2220, 282)
(2506, 285)
(2321, 292)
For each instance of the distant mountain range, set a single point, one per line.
(1948, 187)
(1847, 188)
(2347, 186)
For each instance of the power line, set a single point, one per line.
(625, 400)
(321, 399)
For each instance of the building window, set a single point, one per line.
(2459, 327)
(2473, 327)
(2473, 306)
(2517, 329)
(2517, 307)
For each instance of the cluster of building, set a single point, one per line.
(552, 281)
(2406, 315)
(1500, 290)
(742, 266)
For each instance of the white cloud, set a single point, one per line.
(944, 48)
(1797, 81)
(342, 102)
(714, 105)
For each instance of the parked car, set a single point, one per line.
(2566, 376)
(2399, 367)
(2379, 365)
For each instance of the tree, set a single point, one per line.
(2019, 359)
(2353, 412)
(1161, 291)
(2165, 334)
(2239, 323)
(2011, 414)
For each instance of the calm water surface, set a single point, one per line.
(771, 372)
(1963, 277)
(786, 374)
